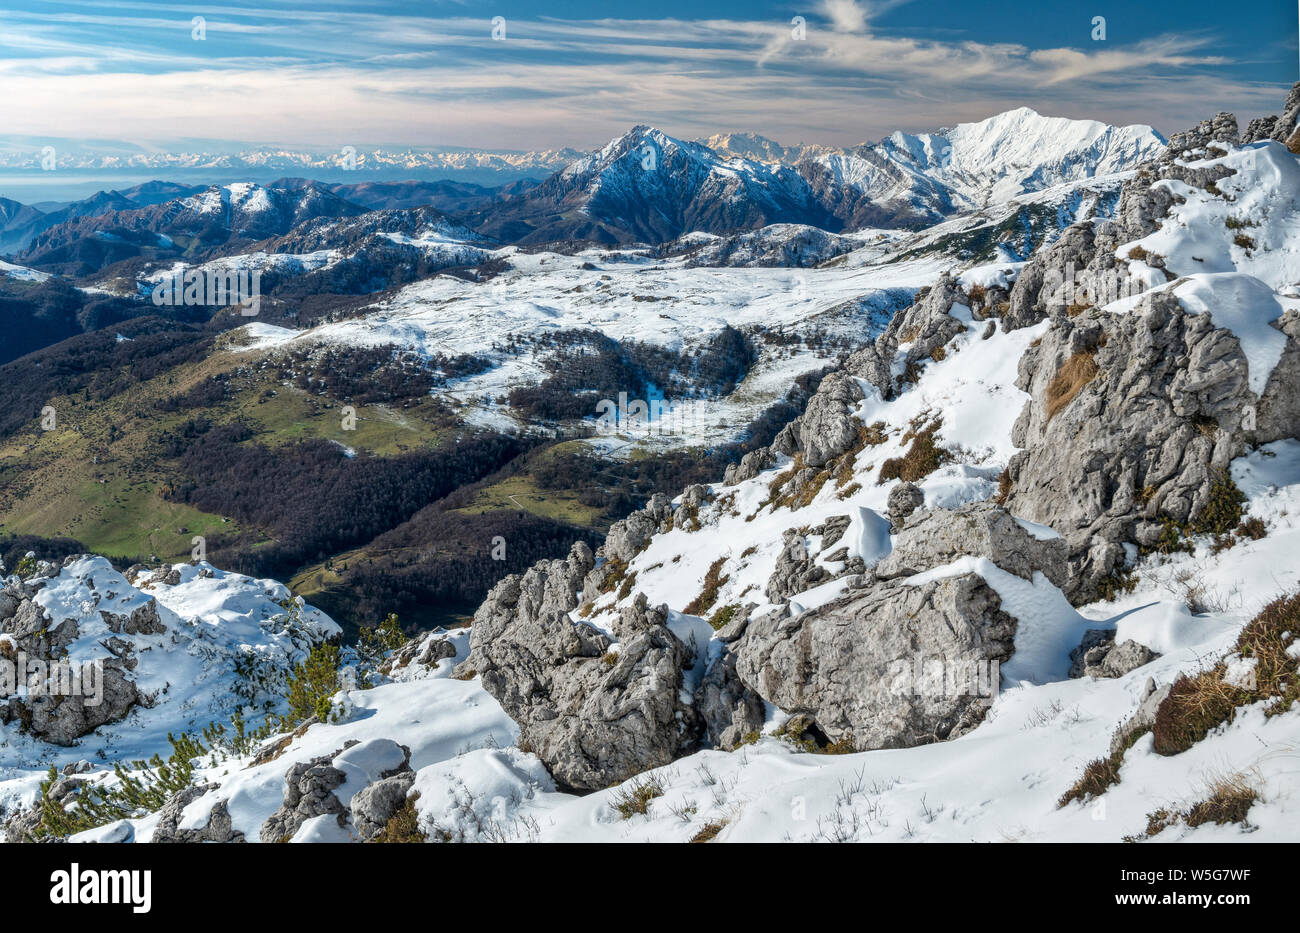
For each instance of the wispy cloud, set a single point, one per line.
(350, 72)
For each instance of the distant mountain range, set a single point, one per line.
(389, 162)
(642, 187)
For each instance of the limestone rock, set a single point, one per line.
(846, 664)
(828, 427)
(1100, 657)
(374, 805)
(1165, 410)
(904, 499)
(217, 828)
(981, 529)
(729, 709)
(593, 719)
(309, 792)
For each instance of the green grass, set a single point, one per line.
(292, 415)
(521, 493)
(96, 477)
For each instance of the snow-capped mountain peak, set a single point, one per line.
(1020, 151)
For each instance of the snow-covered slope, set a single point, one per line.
(204, 221)
(201, 644)
(976, 165)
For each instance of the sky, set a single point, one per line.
(580, 72)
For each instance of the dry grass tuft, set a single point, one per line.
(1229, 801)
(637, 796)
(1195, 705)
(404, 825)
(1004, 488)
(710, 831)
(713, 582)
(1077, 372)
(921, 459)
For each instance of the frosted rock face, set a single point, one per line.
(849, 665)
(828, 427)
(216, 828)
(1169, 407)
(912, 336)
(982, 529)
(593, 716)
(364, 780)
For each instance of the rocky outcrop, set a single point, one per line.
(216, 828)
(844, 664)
(1081, 268)
(62, 719)
(1220, 128)
(1132, 419)
(1100, 657)
(904, 499)
(849, 664)
(982, 529)
(828, 427)
(628, 536)
(799, 568)
(687, 515)
(547, 590)
(22, 826)
(594, 716)
(308, 793)
(731, 712)
(917, 331)
(1281, 127)
(1278, 413)
(750, 465)
(101, 692)
(312, 789)
(143, 620)
(423, 652)
(374, 805)
(796, 569)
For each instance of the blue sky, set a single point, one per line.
(334, 72)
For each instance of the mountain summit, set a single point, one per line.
(648, 186)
